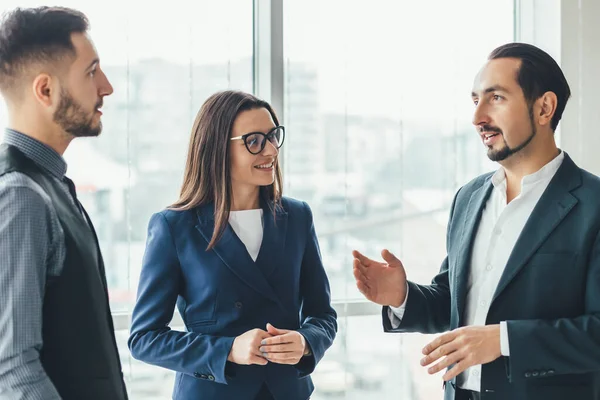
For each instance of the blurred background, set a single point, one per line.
(375, 97)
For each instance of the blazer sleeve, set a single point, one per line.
(427, 306)
(318, 318)
(152, 340)
(560, 346)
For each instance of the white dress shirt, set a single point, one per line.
(498, 231)
(248, 226)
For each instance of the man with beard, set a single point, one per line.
(519, 290)
(56, 333)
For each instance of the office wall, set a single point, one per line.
(569, 31)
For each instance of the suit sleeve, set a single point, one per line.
(560, 346)
(152, 340)
(427, 306)
(319, 319)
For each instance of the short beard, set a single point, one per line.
(506, 151)
(71, 117)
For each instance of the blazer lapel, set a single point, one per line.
(551, 209)
(271, 254)
(473, 216)
(233, 253)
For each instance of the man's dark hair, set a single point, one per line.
(538, 74)
(30, 36)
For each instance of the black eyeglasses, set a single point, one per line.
(255, 141)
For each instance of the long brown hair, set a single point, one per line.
(207, 176)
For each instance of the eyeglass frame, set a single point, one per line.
(266, 136)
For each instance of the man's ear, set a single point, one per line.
(43, 89)
(547, 107)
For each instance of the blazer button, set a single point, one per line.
(542, 373)
(197, 375)
(550, 371)
(535, 373)
(203, 376)
(238, 305)
(527, 374)
(211, 378)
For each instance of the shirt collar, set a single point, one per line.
(40, 153)
(544, 173)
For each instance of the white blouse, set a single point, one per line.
(248, 225)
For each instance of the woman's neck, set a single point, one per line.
(245, 199)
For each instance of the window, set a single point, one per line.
(378, 110)
(163, 63)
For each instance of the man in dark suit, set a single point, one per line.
(519, 290)
(56, 332)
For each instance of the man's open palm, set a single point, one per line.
(381, 282)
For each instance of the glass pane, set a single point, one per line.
(144, 381)
(161, 77)
(163, 63)
(364, 363)
(379, 138)
(378, 112)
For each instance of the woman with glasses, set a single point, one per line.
(241, 263)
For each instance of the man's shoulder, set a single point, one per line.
(588, 192)
(28, 212)
(18, 184)
(590, 181)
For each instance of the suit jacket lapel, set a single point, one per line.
(271, 254)
(473, 216)
(552, 208)
(233, 253)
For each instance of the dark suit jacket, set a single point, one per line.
(223, 293)
(549, 293)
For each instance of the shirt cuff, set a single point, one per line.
(395, 314)
(504, 348)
